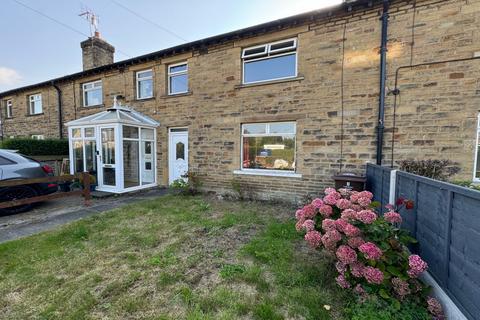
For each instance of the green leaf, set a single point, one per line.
(384, 294)
(375, 204)
(396, 304)
(394, 270)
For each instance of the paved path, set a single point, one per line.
(51, 214)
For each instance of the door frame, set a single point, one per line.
(170, 149)
(101, 186)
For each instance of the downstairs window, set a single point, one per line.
(268, 146)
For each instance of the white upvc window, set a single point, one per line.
(178, 78)
(144, 83)
(271, 61)
(268, 147)
(9, 108)
(38, 136)
(476, 165)
(35, 104)
(92, 93)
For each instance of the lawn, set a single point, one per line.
(173, 257)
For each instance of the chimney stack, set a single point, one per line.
(96, 52)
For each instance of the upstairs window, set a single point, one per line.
(144, 84)
(8, 109)
(178, 78)
(272, 61)
(92, 93)
(476, 168)
(35, 104)
(268, 146)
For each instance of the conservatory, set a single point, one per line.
(117, 147)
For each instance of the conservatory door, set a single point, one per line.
(178, 154)
(107, 157)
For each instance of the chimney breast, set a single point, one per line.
(96, 52)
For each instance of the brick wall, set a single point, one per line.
(436, 110)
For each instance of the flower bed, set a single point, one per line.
(370, 251)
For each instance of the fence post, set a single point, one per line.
(393, 178)
(86, 188)
(448, 237)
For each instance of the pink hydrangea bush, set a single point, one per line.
(369, 250)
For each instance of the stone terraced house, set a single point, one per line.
(279, 107)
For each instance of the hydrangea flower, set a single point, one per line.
(356, 269)
(299, 225)
(330, 239)
(366, 194)
(400, 287)
(342, 282)
(341, 267)
(343, 204)
(435, 308)
(299, 214)
(309, 211)
(351, 231)
(364, 202)
(355, 242)
(366, 216)
(349, 214)
(317, 203)
(346, 254)
(309, 225)
(325, 210)
(330, 190)
(370, 251)
(392, 217)
(328, 224)
(330, 199)
(373, 275)
(417, 266)
(340, 224)
(313, 238)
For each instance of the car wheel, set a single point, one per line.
(16, 193)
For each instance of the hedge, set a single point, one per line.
(34, 147)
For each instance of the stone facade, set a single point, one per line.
(338, 68)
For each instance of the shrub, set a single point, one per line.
(34, 147)
(370, 251)
(189, 184)
(434, 169)
(467, 184)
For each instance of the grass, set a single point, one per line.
(170, 258)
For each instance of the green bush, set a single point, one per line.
(431, 168)
(377, 309)
(467, 184)
(34, 147)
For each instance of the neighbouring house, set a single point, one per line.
(279, 107)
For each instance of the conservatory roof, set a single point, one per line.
(116, 114)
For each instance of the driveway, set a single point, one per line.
(53, 213)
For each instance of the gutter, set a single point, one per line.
(60, 111)
(383, 70)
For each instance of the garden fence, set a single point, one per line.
(446, 223)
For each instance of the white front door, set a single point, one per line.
(106, 157)
(177, 153)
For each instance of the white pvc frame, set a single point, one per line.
(269, 54)
(34, 99)
(477, 147)
(172, 74)
(138, 80)
(85, 91)
(268, 134)
(9, 109)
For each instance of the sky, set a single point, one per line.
(34, 48)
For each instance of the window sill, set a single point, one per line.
(268, 173)
(175, 95)
(263, 83)
(94, 106)
(145, 99)
(34, 115)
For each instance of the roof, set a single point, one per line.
(116, 114)
(347, 5)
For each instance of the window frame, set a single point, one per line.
(268, 134)
(170, 74)
(477, 149)
(137, 82)
(37, 136)
(8, 109)
(269, 54)
(31, 99)
(84, 91)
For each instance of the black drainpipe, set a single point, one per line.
(60, 116)
(383, 71)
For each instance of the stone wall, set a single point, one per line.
(436, 109)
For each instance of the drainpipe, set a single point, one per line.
(383, 71)
(60, 116)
